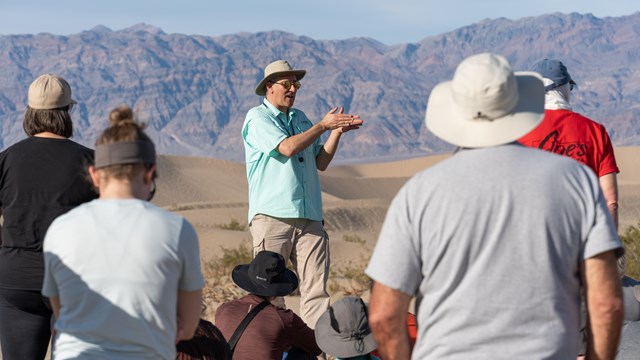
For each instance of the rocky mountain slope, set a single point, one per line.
(194, 91)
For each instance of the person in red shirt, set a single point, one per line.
(568, 133)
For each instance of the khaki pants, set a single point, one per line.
(306, 244)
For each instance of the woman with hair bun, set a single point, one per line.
(41, 177)
(123, 276)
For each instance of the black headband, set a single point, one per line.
(120, 153)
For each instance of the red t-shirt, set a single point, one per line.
(568, 133)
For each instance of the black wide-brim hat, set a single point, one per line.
(266, 275)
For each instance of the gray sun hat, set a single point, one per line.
(343, 330)
(486, 103)
(276, 69)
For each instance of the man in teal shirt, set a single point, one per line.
(283, 155)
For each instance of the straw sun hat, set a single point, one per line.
(276, 69)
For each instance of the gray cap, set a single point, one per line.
(553, 70)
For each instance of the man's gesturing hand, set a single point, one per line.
(337, 119)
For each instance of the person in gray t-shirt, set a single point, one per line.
(495, 241)
(122, 275)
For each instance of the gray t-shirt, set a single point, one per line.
(490, 242)
(117, 266)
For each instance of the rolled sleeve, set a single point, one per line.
(317, 146)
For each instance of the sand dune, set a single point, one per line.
(186, 180)
(212, 192)
(403, 168)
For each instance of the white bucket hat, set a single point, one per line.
(275, 69)
(486, 103)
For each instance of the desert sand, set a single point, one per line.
(211, 193)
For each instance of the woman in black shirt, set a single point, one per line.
(41, 177)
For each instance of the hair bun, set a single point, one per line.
(121, 115)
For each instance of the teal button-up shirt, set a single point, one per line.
(280, 186)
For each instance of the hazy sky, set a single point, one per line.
(389, 21)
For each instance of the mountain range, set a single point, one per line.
(193, 91)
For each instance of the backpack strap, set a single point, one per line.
(245, 322)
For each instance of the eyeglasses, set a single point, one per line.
(287, 84)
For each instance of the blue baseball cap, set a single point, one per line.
(553, 70)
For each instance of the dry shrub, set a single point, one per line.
(353, 239)
(233, 225)
(219, 287)
(349, 279)
(631, 241)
